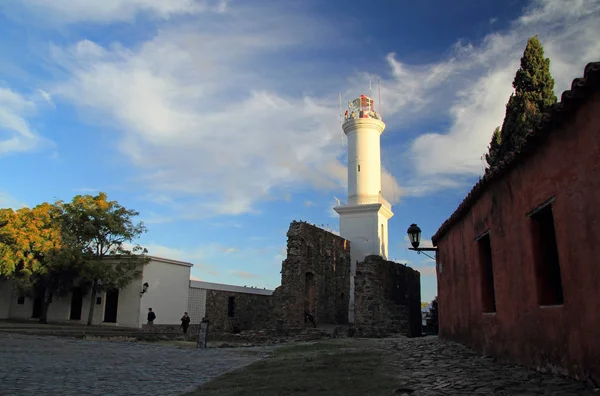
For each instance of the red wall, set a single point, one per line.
(564, 338)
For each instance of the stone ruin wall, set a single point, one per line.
(315, 277)
(250, 311)
(387, 298)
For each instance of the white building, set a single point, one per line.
(364, 220)
(167, 295)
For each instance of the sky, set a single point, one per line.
(218, 120)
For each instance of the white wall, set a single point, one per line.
(360, 228)
(167, 294)
(128, 308)
(59, 310)
(364, 150)
(168, 291)
(383, 235)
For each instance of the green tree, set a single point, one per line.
(37, 254)
(102, 231)
(492, 155)
(533, 96)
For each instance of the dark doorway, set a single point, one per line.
(549, 280)
(76, 303)
(110, 308)
(342, 310)
(309, 293)
(231, 307)
(488, 295)
(38, 303)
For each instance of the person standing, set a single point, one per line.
(151, 317)
(185, 322)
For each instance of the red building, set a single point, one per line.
(519, 260)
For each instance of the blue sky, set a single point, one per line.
(218, 120)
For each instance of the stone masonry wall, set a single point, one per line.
(315, 277)
(250, 311)
(387, 298)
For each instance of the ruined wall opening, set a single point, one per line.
(546, 261)
(488, 295)
(231, 307)
(342, 312)
(309, 293)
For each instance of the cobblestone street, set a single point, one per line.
(32, 365)
(432, 367)
(428, 366)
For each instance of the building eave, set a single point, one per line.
(170, 261)
(228, 288)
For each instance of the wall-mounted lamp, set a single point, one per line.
(414, 235)
(144, 288)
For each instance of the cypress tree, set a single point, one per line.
(533, 96)
(492, 156)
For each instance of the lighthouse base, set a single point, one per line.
(366, 227)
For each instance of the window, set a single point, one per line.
(21, 300)
(231, 307)
(547, 267)
(98, 300)
(488, 297)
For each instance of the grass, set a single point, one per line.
(329, 368)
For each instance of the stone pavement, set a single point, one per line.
(429, 366)
(34, 365)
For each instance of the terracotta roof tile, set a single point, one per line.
(570, 101)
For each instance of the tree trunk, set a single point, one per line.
(92, 302)
(45, 305)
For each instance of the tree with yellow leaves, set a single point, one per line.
(37, 254)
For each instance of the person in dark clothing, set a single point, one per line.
(185, 322)
(311, 318)
(151, 316)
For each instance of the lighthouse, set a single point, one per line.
(364, 219)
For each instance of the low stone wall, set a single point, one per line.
(250, 311)
(387, 299)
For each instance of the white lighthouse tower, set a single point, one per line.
(364, 220)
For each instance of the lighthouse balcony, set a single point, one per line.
(361, 114)
(367, 200)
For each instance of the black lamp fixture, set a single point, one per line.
(414, 235)
(144, 288)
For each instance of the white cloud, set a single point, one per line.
(46, 96)
(106, 11)
(243, 274)
(228, 250)
(199, 114)
(198, 257)
(390, 189)
(198, 118)
(16, 134)
(472, 87)
(8, 201)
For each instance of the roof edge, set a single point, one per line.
(195, 284)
